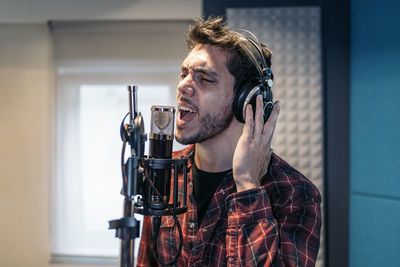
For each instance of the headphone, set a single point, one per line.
(261, 84)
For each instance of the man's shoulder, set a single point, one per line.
(283, 178)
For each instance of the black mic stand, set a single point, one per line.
(127, 228)
(138, 176)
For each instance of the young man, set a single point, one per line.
(246, 206)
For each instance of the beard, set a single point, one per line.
(210, 126)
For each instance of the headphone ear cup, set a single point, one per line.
(248, 92)
(248, 95)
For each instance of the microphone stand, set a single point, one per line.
(127, 228)
(138, 179)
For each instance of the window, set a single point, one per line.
(94, 64)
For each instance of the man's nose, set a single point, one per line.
(185, 86)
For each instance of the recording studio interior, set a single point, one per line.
(65, 67)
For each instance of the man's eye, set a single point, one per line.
(183, 75)
(206, 80)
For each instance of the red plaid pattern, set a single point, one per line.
(276, 224)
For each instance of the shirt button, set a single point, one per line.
(192, 225)
(190, 184)
(230, 210)
(230, 259)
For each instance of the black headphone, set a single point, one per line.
(259, 85)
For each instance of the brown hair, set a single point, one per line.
(214, 31)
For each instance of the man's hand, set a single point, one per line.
(253, 150)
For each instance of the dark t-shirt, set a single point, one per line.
(205, 184)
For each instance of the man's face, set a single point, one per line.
(205, 95)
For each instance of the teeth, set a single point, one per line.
(186, 109)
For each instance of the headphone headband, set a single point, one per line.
(254, 51)
(260, 85)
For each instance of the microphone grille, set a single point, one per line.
(162, 120)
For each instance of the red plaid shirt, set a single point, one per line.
(276, 224)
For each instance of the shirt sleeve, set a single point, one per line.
(286, 235)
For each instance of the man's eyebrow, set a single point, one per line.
(206, 71)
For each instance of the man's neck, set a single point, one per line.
(216, 154)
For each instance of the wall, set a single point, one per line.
(375, 142)
(26, 105)
(25, 80)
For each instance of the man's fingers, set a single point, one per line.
(249, 123)
(269, 126)
(259, 118)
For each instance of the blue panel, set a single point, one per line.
(374, 232)
(375, 97)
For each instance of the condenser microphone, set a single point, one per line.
(161, 137)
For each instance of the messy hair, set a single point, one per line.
(214, 31)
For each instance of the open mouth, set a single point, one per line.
(185, 113)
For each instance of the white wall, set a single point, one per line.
(26, 107)
(26, 112)
(26, 142)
